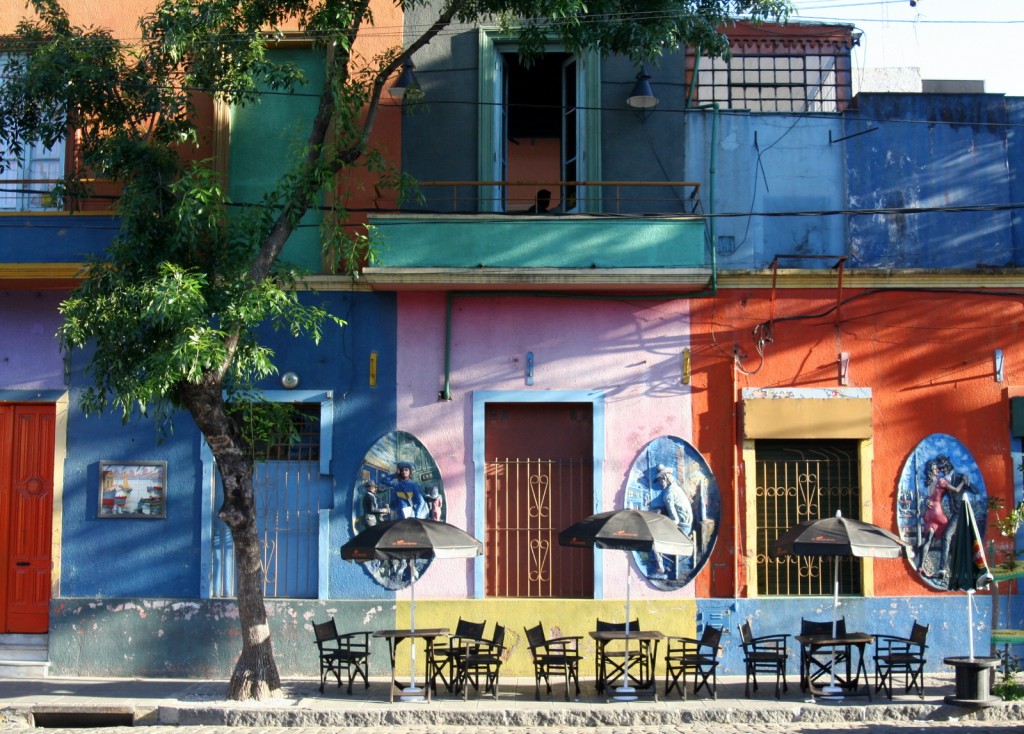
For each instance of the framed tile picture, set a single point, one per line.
(136, 489)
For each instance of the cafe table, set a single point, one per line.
(841, 648)
(647, 685)
(410, 691)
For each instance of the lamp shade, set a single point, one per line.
(406, 80)
(642, 97)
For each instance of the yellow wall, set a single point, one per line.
(560, 617)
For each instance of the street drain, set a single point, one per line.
(81, 719)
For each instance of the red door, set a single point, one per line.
(26, 511)
(539, 479)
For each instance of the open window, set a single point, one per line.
(539, 124)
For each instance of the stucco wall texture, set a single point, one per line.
(628, 348)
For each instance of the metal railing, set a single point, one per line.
(583, 197)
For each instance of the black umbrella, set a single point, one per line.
(838, 536)
(410, 539)
(628, 530)
(968, 569)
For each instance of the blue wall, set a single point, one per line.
(932, 150)
(160, 558)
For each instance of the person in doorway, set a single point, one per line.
(542, 204)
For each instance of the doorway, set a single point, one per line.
(27, 435)
(539, 472)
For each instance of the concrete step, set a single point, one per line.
(23, 669)
(23, 656)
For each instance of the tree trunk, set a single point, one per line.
(255, 676)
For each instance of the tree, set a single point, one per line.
(172, 312)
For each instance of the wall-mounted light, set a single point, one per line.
(289, 380)
(406, 81)
(685, 367)
(529, 368)
(844, 368)
(642, 100)
(373, 369)
(998, 359)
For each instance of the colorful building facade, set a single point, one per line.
(770, 290)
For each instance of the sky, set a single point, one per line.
(945, 39)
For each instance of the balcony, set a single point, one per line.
(626, 237)
(45, 245)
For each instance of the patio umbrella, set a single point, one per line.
(968, 569)
(838, 536)
(628, 530)
(411, 539)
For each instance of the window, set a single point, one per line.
(26, 186)
(803, 68)
(797, 481)
(538, 123)
(291, 490)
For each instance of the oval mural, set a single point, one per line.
(397, 478)
(671, 477)
(939, 473)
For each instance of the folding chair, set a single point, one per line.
(349, 652)
(609, 664)
(901, 655)
(443, 660)
(818, 664)
(700, 657)
(482, 660)
(558, 656)
(764, 654)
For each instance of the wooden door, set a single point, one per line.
(26, 511)
(539, 480)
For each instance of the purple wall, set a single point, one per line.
(30, 358)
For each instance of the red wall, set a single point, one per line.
(927, 358)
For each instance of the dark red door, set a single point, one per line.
(540, 479)
(26, 511)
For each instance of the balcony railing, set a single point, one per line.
(568, 197)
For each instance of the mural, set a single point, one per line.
(671, 477)
(937, 476)
(397, 478)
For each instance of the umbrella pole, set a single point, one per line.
(413, 688)
(832, 689)
(626, 692)
(970, 623)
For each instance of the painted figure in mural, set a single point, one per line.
(406, 494)
(956, 485)
(676, 502)
(934, 520)
(372, 510)
(945, 488)
(434, 501)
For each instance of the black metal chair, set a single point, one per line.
(481, 660)
(349, 652)
(764, 654)
(609, 664)
(901, 656)
(700, 657)
(443, 662)
(558, 656)
(818, 664)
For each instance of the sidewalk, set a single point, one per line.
(106, 701)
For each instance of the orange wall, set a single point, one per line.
(121, 18)
(927, 358)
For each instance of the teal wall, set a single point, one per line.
(265, 139)
(559, 242)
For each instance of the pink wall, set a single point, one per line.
(629, 349)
